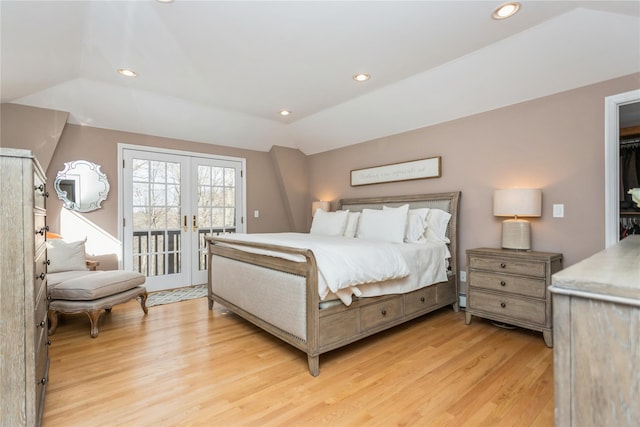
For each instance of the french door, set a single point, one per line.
(170, 202)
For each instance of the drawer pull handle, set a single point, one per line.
(48, 262)
(42, 230)
(39, 187)
(46, 194)
(43, 381)
(41, 324)
(503, 265)
(41, 276)
(383, 312)
(503, 283)
(49, 298)
(48, 342)
(503, 304)
(421, 299)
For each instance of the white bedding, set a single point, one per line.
(361, 267)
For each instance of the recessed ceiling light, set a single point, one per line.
(164, 1)
(506, 10)
(127, 73)
(361, 77)
(285, 112)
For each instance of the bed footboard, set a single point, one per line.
(277, 295)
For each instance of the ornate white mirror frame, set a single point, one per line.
(81, 186)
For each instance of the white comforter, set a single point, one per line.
(347, 264)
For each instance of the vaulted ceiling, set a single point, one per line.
(219, 72)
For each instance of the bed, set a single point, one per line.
(276, 286)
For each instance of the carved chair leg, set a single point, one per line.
(143, 303)
(94, 316)
(53, 321)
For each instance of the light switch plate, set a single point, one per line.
(558, 211)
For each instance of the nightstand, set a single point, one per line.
(512, 287)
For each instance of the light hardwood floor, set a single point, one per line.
(185, 365)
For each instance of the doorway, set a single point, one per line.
(612, 124)
(170, 201)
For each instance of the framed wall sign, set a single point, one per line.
(405, 171)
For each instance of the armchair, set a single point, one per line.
(74, 285)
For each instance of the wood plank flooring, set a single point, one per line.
(184, 365)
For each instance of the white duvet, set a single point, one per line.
(348, 266)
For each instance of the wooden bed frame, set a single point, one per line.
(281, 296)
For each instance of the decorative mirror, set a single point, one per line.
(81, 186)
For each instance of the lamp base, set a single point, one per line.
(516, 234)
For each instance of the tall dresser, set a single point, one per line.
(23, 304)
(596, 358)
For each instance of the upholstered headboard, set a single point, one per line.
(446, 201)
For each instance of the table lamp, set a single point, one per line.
(517, 202)
(325, 206)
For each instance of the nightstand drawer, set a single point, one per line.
(525, 268)
(507, 283)
(533, 311)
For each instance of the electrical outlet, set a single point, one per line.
(463, 276)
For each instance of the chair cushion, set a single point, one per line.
(95, 284)
(56, 278)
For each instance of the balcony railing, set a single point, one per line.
(159, 252)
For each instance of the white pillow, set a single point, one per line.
(66, 256)
(352, 224)
(437, 222)
(329, 223)
(416, 225)
(388, 225)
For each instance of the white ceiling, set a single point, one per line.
(219, 72)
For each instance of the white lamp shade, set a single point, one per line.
(325, 206)
(517, 202)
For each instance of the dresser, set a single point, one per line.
(23, 303)
(511, 287)
(597, 333)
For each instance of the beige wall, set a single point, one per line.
(292, 170)
(31, 128)
(100, 146)
(554, 143)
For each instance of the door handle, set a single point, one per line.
(184, 224)
(195, 225)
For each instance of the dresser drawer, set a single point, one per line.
(40, 276)
(380, 313)
(526, 310)
(42, 376)
(504, 282)
(39, 223)
(506, 265)
(419, 300)
(39, 191)
(40, 317)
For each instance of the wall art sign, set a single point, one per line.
(405, 171)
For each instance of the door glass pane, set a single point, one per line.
(216, 204)
(156, 217)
